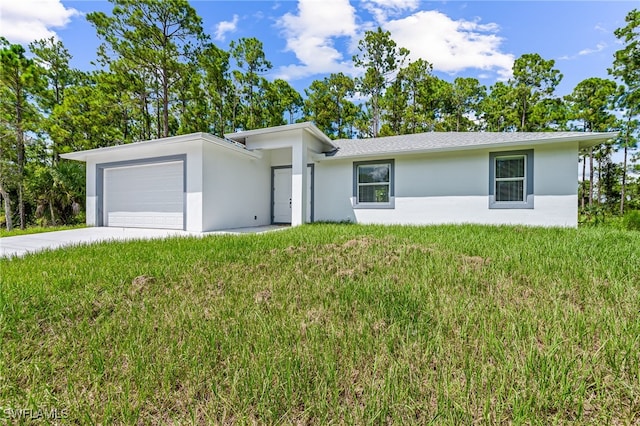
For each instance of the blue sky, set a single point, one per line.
(308, 39)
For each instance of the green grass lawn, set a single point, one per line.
(329, 324)
(37, 230)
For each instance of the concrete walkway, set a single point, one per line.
(23, 244)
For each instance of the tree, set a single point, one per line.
(394, 107)
(421, 89)
(151, 39)
(626, 66)
(496, 109)
(96, 113)
(58, 191)
(534, 80)
(380, 58)
(463, 100)
(20, 80)
(217, 87)
(329, 107)
(627, 140)
(416, 101)
(53, 59)
(252, 62)
(591, 103)
(287, 98)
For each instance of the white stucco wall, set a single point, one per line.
(453, 188)
(290, 148)
(236, 189)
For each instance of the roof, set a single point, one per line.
(452, 141)
(308, 126)
(150, 144)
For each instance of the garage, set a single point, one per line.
(149, 195)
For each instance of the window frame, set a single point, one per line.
(528, 194)
(356, 185)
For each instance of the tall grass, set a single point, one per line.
(330, 324)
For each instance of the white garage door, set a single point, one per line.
(145, 196)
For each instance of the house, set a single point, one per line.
(295, 174)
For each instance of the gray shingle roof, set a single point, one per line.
(451, 141)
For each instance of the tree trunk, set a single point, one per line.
(375, 119)
(599, 180)
(591, 177)
(22, 215)
(624, 177)
(584, 175)
(523, 120)
(7, 208)
(165, 104)
(21, 155)
(52, 213)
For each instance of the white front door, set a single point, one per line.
(282, 195)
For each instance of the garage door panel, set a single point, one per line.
(147, 196)
(145, 220)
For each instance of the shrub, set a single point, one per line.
(631, 220)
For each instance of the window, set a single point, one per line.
(511, 180)
(373, 183)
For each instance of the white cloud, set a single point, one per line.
(599, 48)
(383, 9)
(450, 45)
(584, 52)
(601, 28)
(311, 35)
(225, 27)
(23, 21)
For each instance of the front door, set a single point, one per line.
(282, 195)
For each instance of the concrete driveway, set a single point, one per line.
(23, 244)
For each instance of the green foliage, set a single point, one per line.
(464, 99)
(151, 41)
(380, 58)
(533, 83)
(251, 86)
(328, 105)
(631, 220)
(330, 324)
(592, 103)
(20, 80)
(626, 64)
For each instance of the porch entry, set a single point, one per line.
(281, 194)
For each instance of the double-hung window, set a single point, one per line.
(373, 183)
(511, 179)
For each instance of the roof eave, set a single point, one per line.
(584, 141)
(192, 137)
(307, 126)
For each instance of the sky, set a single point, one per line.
(307, 40)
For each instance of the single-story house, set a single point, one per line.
(295, 174)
